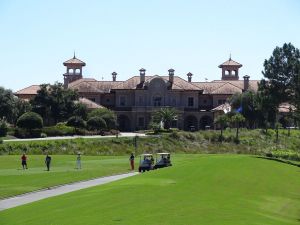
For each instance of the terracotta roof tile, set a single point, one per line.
(90, 104)
(178, 83)
(253, 84)
(94, 86)
(230, 62)
(227, 88)
(74, 60)
(208, 87)
(31, 90)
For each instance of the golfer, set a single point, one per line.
(47, 162)
(24, 161)
(78, 161)
(131, 159)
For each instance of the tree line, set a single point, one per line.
(53, 105)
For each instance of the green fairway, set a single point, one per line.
(198, 189)
(14, 180)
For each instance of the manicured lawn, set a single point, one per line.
(14, 180)
(198, 189)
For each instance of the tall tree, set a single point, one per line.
(7, 101)
(245, 103)
(11, 107)
(282, 71)
(53, 102)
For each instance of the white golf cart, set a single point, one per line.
(162, 160)
(146, 162)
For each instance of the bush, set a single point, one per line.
(96, 123)
(30, 120)
(155, 127)
(76, 121)
(106, 114)
(3, 128)
(25, 133)
(59, 129)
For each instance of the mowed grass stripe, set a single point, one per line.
(217, 189)
(14, 180)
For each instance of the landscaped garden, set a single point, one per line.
(198, 189)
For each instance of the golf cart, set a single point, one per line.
(146, 162)
(162, 160)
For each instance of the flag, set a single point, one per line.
(239, 110)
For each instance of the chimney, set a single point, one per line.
(189, 75)
(142, 75)
(114, 76)
(246, 82)
(171, 75)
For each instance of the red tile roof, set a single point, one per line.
(230, 62)
(90, 104)
(31, 90)
(178, 83)
(74, 60)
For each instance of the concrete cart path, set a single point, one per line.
(74, 137)
(58, 190)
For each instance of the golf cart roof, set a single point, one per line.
(163, 153)
(148, 154)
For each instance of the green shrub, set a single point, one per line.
(76, 121)
(25, 133)
(59, 130)
(3, 128)
(108, 115)
(96, 123)
(155, 127)
(30, 120)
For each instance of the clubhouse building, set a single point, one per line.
(135, 100)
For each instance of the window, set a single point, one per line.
(141, 121)
(221, 101)
(157, 101)
(190, 101)
(174, 101)
(122, 101)
(140, 100)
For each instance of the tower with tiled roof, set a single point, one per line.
(230, 69)
(74, 70)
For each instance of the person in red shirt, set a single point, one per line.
(131, 159)
(24, 162)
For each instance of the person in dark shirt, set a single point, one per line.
(47, 162)
(24, 161)
(131, 159)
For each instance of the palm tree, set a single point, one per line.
(237, 119)
(166, 115)
(222, 120)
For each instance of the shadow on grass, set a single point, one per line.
(279, 160)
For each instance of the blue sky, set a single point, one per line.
(123, 36)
